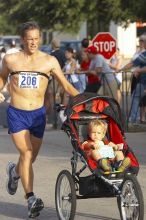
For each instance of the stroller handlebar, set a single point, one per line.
(60, 108)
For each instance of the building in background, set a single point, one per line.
(126, 38)
(70, 36)
(64, 36)
(141, 28)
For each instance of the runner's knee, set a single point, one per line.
(27, 155)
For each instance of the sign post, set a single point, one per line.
(105, 44)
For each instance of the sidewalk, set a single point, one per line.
(136, 127)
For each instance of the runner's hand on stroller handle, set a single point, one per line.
(60, 108)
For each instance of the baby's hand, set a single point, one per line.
(113, 145)
(120, 146)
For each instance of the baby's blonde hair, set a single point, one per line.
(96, 122)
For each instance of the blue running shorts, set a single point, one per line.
(34, 120)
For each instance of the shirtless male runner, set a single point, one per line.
(29, 71)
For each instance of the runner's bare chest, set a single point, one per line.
(35, 65)
(30, 75)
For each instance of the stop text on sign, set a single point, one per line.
(104, 46)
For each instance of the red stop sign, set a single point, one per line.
(105, 44)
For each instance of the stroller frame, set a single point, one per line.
(73, 186)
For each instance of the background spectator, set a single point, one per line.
(85, 62)
(140, 49)
(92, 79)
(57, 52)
(140, 72)
(49, 96)
(85, 43)
(2, 53)
(115, 63)
(100, 68)
(81, 74)
(70, 68)
(143, 109)
(70, 72)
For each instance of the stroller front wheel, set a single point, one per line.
(65, 196)
(130, 202)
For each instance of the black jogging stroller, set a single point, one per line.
(74, 185)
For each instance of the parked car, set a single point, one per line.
(76, 45)
(7, 40)
(46, 48)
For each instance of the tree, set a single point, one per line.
(50, 14)
(5, 27)
(134, 9)
(100, 13)
(67, 15)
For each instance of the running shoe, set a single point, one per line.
(12, 182)
(35, 205)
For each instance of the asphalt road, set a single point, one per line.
(55, 156)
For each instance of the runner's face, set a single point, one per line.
(31, 41)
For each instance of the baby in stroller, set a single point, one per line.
(107, 154)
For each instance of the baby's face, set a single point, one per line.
(96, 133)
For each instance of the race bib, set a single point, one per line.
(28, 80)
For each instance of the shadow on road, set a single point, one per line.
(91, 216)
(12, 210)
(18, 211)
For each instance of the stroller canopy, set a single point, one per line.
(93, 103)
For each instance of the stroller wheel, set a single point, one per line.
(130, 202)
(65, 196)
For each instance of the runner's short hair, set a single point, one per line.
(30, 25)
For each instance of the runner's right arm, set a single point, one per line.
(3, 77)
